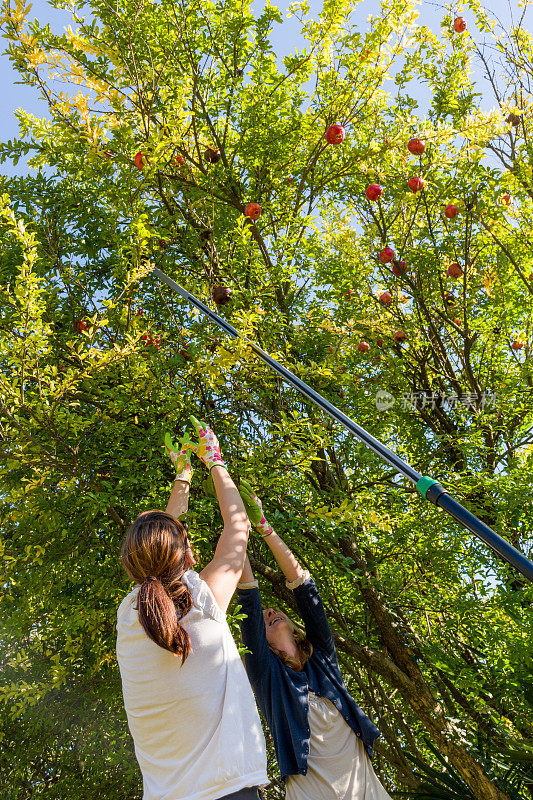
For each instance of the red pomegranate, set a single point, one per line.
(416, 184)
(221, 295)
(374, 192)
(335, 134)
(416, 147)
(141, 160)
(451, 211)
(253, 210)
(399, 269)
(454, 270)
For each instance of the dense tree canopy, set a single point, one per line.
(165, 121)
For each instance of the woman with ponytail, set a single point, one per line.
(190, 708)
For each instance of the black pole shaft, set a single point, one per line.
(363, 435)
(383, 451)
(435, 494)
(486, 534)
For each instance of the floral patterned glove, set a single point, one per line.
(180, 458)
(207, 448)
(254, 509)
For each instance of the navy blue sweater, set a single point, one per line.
(282, 693)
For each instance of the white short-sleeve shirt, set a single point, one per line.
(195, 727)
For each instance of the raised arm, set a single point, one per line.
(223, 571)
(283, 555)
(225, 568)
(178, 502)
(306, 594)
(253, 631)
(313, 613)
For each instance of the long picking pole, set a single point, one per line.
(427, 487)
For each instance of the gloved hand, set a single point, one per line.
(207, 448)
(254, 509)
(180, 458)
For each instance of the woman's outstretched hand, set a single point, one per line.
(179, 456)
(207, 447)
(254, 509)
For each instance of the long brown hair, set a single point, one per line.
(154, 553)
(304, 647)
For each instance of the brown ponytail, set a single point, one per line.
(154, 554)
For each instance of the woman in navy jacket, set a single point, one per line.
(323, 740)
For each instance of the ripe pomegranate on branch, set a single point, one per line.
(253, 211)
(221, 295)
(399, 268)
(387, 255)
(374, 192)
(416, 147)
(335, 134)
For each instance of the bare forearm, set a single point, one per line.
(284, 556)
(178, 502)
(223, 572)
(247, 573)
(230, 502)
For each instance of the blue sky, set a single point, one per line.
(285, 38)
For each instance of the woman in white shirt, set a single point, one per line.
(190, 708)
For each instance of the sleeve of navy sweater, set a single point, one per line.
(253, 633)
(316, 623)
